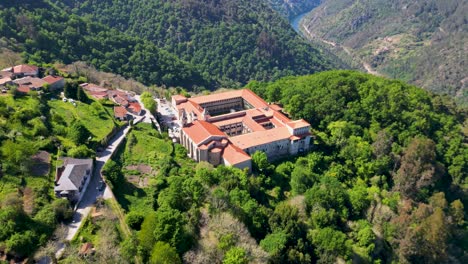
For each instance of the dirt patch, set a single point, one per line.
(133, 179)
(142, 168)
(143, 182)
(40, 163)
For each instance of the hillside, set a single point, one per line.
(385, 182)
(292, 8)
(421, 42)
(47, 34)
(232, 41)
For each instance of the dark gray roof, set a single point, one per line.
(72, 176)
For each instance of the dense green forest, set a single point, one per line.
(232, 41)
(422, 42)
(46, 34)
(385, 182)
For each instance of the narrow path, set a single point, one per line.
(149, 118)
(311, 36)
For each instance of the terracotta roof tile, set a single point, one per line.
(200, 131)
(25, 68)
(120, 112)
(32, 82)
(134, 107)
(298, 124)
(51, 79)
(260, 137)
(234, 155)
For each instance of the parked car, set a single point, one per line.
(101, 186)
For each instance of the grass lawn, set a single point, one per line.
(93, 116)
(144, 147)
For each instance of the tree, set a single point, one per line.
(169, 227)
(274, 243)
(329, 242)
(260, 161)
(70, 90)
(134, 220)
(16, 153)
(145, 235)
(457, 212)
(235, 255)
(418, 168)
(21, 244)
(81, 152)
(78, 133)
(163, 253)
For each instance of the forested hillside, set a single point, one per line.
(385, 182)
(231, 41)
(48, 34)
(422, 42)
(292, 8)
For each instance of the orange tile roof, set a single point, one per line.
(51, 79)
(23, 68)
(5, 80)
(250, 123)
(98, 95)
(134, 107)
(200, 130)
(234, 155)
(257, 138)
(276, 107)
(5, 74)
(23, 89)
(90, 87)
(32, 82)
(179, 98)
(246, 94)
(216, 97)
(298, 124)
(120, 111)
(255, 100)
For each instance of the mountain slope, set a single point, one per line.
(233, 41)
(47, 34)
(423, 42)
(292, 8)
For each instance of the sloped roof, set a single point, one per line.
(258, 138)
(234, 155)
(134, 107)
(298, 124)
(200, 130)
(32, 82)
(5, 80)
(23, 89)
(72, 176)
(120, 111)
(51, 79)
(23, 68)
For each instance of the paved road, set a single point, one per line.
(92, 192)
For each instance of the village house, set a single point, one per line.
(55, 82)
(226, 128)
(72, 179)
(27, 84)
(134, 108)
(122, 98)
(120, 113)
(23, 70)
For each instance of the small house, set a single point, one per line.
(72, 179)
(120, 113)
(55, 82)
